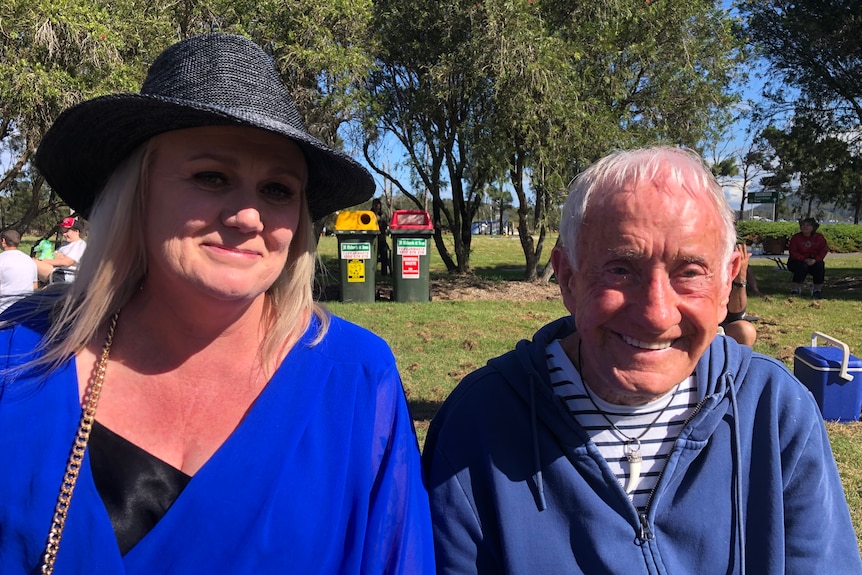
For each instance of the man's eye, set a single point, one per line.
(692, 271)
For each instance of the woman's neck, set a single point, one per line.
(179, 331)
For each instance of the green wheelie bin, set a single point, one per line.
(411, 231)
(357, 254)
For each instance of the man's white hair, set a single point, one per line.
(678, 165)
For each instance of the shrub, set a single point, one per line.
(842, 238)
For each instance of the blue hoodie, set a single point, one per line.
(751, 486)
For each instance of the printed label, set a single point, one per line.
(411, 247)
(356, 251)
(356, 271)
(410, 267)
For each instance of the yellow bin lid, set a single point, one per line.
(361, 220)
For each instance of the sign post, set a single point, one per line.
(764, 197)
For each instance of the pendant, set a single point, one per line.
(634, 457)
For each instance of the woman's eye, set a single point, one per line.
(278, 192)
(211, 179)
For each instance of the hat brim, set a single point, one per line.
(88, 141)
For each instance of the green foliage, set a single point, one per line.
(809, 163)
(814, 48)
(755, 231)
(812, 45)
(842, 238)
(529, 93)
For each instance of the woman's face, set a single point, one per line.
(224, 203)
(806, 228)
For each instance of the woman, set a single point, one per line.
(807, 250)
(230, 424)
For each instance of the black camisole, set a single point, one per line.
(136, 487)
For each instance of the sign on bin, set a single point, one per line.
(410, 250)
(356, 250)
(410, 267)
(411, 246)
(355, 271)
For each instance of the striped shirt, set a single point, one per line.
(659, 421)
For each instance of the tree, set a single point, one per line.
(428, 94)
(573, 81)
(532, 91)
(811, 165)
(54, 56)
(501, 200)
(814, 46)
(741, 169)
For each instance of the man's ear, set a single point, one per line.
(566, 277)
(562, 268)
(733, 267)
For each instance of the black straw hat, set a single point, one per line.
(207, 80)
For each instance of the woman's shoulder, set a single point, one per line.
(27, 317)
(21, 332)
(342, 332)
(347, 354)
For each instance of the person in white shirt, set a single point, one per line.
(68, 255)
(17, 270)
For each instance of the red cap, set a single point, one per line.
(67, 222)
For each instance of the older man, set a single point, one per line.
(629, 437)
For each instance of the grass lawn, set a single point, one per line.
(439, 342)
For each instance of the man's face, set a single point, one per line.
(650, 292)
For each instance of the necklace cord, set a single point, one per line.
(635, 441)
(76, 457)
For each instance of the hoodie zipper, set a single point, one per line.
(645, 532)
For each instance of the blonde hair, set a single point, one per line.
(115, 264)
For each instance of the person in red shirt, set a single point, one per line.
(807, 252)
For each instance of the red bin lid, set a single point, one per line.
(411, 220)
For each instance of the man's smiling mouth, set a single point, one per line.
(647, 345)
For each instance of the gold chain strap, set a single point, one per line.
(73, 466)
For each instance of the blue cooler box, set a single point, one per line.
(833, 376)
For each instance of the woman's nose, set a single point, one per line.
(243, 215)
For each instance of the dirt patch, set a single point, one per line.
(466, 288)
(472, 288)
